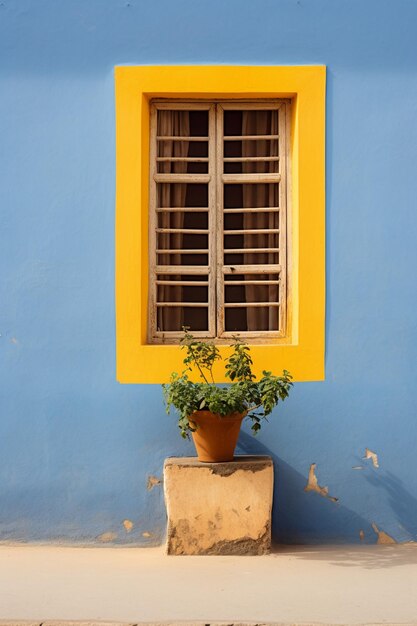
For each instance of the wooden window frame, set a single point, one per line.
(303, 350)
(215, 178)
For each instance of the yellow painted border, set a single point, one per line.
(303, 355)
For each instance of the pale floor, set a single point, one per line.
(340, 585)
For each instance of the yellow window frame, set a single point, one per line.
(302, 353)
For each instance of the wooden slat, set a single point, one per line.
(182, 159)
(249, 137)
(250, 178)
(188, 231)
(179, 138)
(182, 105)
(231, 283)
(259, 337)
(268, 209)
(251, 250)
(252, 105)
(203, 270)
(172, 336)
(182, 178)
(250, 159)
(182, 251)
(188, 283)
(244, 305)
(252, 269)
(198, 305)
(252, 231)
(182, 209)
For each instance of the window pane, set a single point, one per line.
(250, 122)
(186, 219)
(175, 166)
(181, 241)
(182, 195)
(243, 154)
(252, 319)
(251, 293)
(170, 319)
(181, 293)
(251, 195)
(246, 289)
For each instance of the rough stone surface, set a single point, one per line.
(219, 508)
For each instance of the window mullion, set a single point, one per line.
(152, 224)
(220, 222)
(283, 153)
(212, 223)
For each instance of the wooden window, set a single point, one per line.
(218, 219)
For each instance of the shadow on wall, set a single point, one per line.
(403, 504)
(305, 517)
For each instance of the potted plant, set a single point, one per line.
(213, 413)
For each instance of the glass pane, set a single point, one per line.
(251, 167)
(180, 123)
(169, 166)
(174, 318)
(250, 122)
(182, 148)
(251, 292)
(251, 319)
(166, 258)
(182, 293)
(182, 219)
(237, 221)
(251, 195)
(181, 241)
(182, 195)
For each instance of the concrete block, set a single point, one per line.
(219, 508)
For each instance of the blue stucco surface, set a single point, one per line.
(76, 447)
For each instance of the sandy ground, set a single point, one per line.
(297, 585)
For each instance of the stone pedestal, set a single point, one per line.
(219, 508)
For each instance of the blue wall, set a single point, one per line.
(76, 447)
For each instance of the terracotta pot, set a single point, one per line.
(216, 437)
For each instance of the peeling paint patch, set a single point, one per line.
(146, 534)
(361, 535)
(313, 484)
(128, 525)
(153, 481)
(383, 537)
(358, 467)
(107, 537)
(371, 455)
(14, 340)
